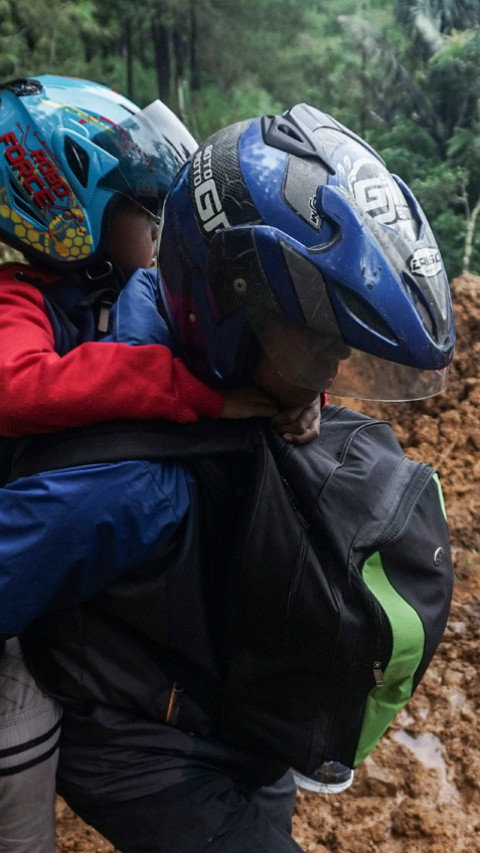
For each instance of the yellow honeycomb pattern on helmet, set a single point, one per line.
(61, 240)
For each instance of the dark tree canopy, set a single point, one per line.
(405, 74)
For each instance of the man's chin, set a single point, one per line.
(299, 398)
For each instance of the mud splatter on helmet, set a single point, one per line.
(68, 149)
(291, 227)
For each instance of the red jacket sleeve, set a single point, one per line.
(41, 391)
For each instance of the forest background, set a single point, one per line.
(403, 74)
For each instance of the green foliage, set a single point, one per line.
(464, 153)
(45, 36)
(445, 15)
(405, 74)
(441, 191)
(408, 150)
(212, 109)
(454, 80)
(8, 255)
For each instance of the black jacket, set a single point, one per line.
(273, 617)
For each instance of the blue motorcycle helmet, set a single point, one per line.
(69, 150)
(289, 233)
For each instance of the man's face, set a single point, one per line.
(288, 392)
(296, 364)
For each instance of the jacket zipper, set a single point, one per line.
(378, 673)
(378, 662)
(294, 504)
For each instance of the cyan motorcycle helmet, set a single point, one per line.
(68, 149)
(289, 233)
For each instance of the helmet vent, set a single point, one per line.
(418, 300)
(364, 313)
(286, 134)
(78, 160)
(23, 87)
(25, 206)
(288, 130)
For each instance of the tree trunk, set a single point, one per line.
(179, 49)
(162, 48)
(194, 47)
(129, 58)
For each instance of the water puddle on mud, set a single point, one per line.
(429, 751)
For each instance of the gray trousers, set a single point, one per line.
(29, 732)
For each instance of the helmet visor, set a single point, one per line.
(323, 362)
(150, 146)
(301, 356)
(366, 377)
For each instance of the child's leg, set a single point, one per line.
(29, 733)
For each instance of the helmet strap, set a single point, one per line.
(103, 274)
(101, 301)
(99, 274)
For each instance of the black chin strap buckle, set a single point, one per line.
(100, 273)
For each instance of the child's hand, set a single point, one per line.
(248, 402)
(298, 425)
